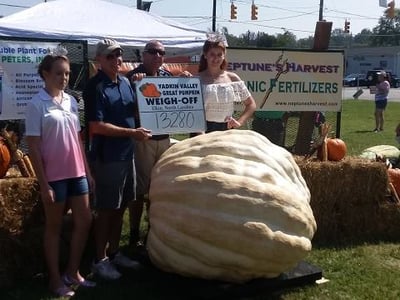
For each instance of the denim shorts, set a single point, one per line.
(69, 187)
(380, 104)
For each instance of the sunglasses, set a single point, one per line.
(114, 55)
(155, 51)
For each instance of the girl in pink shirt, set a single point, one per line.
(58, 158)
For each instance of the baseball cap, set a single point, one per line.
(107, 46)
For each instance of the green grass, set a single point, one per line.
(369, 271)
(358, 121)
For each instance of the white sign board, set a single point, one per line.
(171, 104)
(383, 3)
(19, 75)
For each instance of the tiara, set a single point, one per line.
(216, 37)
(58, 51)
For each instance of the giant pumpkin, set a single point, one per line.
(230, 206)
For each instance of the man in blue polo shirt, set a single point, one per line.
(109, 110)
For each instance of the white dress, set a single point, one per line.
(219, 99)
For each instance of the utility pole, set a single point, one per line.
(321, 10)
(214, 13)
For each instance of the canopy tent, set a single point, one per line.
(93, 20)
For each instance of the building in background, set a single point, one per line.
(361, 60)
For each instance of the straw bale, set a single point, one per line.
(349, 200)
(21, 229)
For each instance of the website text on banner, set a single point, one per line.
(288, 80)
(20, 79)
(171, 104)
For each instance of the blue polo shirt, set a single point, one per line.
(113, 103)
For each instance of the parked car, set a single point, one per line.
(355, 80)
(372, 78)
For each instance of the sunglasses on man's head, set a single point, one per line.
(155, 51)
(114, 55)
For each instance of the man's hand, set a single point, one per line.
(141, 134)
(137, 77)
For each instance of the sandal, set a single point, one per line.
(68, 281)
(64, 291)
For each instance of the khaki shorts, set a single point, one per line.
(147, 153)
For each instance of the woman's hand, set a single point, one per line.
(185, 74)
(47, 194)
(232, 123)
(91, 182)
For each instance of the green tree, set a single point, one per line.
(362, 39)
(306, 43)
(340, 39)
(387, 32)
(287, 40)
(265, 40)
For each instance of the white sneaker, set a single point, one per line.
(123, 261)
(105, 269)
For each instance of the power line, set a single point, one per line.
(13, 5)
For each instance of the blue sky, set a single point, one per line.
(274, 16)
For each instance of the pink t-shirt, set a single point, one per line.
(58, 126)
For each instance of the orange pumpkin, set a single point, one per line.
(394, 178)
(5, 158)
(336, 149)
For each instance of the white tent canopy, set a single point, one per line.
(93, 20)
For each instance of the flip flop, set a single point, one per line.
(64, 291)
(68, 281)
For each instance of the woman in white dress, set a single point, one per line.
(222, 89)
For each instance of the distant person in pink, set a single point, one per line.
(58, 158)
(381, 98)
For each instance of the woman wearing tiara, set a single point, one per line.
(58, 158)
(222, 89)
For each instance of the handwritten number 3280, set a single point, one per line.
(179, 119)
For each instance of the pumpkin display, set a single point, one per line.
(336, 149)
(5, 158)
(228, 205)
(394, 178)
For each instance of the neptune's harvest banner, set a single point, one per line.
(19, 78)
(289, 80)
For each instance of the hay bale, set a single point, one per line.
(349, 200)
(21, 229)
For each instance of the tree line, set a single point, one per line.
(385, 33)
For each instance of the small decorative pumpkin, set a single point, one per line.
(336, 149)
(5, 158)
(228, 205)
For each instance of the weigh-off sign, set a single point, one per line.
(171, 104)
